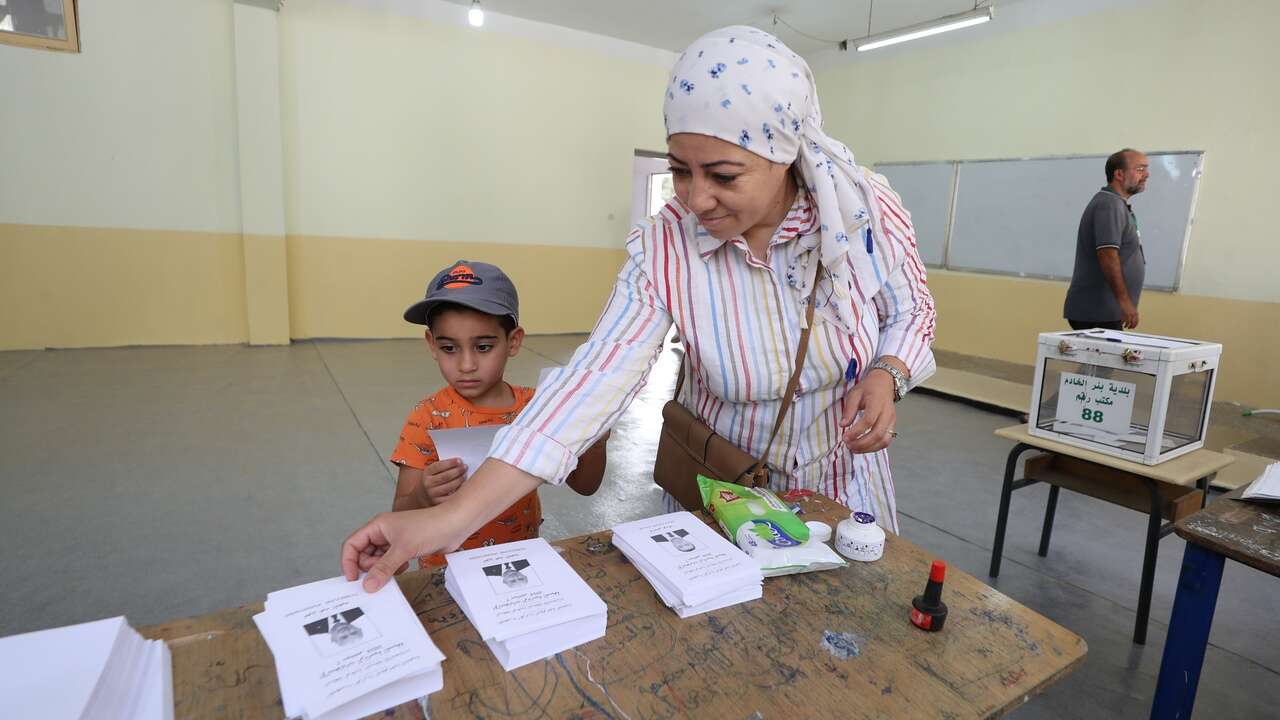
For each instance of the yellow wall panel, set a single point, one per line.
(92, 287)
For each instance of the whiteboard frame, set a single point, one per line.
(955, 194)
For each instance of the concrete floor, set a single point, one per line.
(165, 482)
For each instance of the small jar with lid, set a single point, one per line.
(860, 538)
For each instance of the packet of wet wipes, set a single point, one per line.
(805, 557)
(765, 528)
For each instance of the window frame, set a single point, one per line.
(70, 19)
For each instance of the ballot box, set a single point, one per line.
(1138, 397)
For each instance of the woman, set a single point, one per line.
(764, 198)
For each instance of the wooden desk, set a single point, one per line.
(828, 644)
(1248, 533)
(1115, 480)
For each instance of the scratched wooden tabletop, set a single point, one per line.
(1246, 532)
(826, 644)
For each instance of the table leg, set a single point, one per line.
(1188, 637)
(1203, 485)
(1148, 566)
(1002, 516)
(1050, 507)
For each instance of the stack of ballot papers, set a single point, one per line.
(692, 567)
(524, 600)
(1267, 487)
(101, 669)
(344, 653)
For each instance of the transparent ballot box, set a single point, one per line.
(1143, 398)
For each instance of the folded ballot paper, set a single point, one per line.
(343, 653)
(102, 669)
(692, 567)
(524, 600)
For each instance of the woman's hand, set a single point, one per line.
(386, 544)
(873, 397)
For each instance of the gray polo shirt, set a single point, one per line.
(1108, 221)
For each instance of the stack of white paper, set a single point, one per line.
(343, 653)
(524, 600)
(101, 669)
(692, 567)
(1267, 487)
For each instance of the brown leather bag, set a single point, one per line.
(688, 447)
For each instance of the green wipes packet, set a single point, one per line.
(758, 510)
(765, 528)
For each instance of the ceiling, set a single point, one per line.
(673, 24)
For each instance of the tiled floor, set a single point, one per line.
(164, 482)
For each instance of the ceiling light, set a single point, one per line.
(925, 29)
(475, 15)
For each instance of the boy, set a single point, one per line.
(472, 318)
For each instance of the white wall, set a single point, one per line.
(138, 130)
(1167, 75)
(401, 128)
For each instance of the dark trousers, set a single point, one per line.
(1092, 324)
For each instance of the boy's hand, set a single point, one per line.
(441, 479)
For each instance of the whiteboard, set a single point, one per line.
(1020, 217)
(926, 190)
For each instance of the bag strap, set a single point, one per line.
(758, 474)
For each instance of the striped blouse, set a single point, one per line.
(740, 320)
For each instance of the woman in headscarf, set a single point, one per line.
(764, 198)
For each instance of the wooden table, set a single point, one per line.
(1164, 491)
(1248, 533)
(826, 644)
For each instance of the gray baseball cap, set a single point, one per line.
(479, 286)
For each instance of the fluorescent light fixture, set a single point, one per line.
(475, 15)
(925, 29)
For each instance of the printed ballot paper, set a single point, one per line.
(100, 669)
(692, 567)
(524, 600)
(343, 653)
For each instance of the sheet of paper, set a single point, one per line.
(100, 669)
(1266, 487)
(1096, 402)
(471, 444)
(60, 666)
(334, 643)
(516, 588)
(155, 691)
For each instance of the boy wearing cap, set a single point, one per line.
(471, 311)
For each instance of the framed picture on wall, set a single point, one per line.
(43, 24)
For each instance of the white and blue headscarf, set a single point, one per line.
(744, 86)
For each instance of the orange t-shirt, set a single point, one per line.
(447, 410)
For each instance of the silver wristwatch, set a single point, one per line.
(899, 379)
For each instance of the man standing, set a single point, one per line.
(1110, 265)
